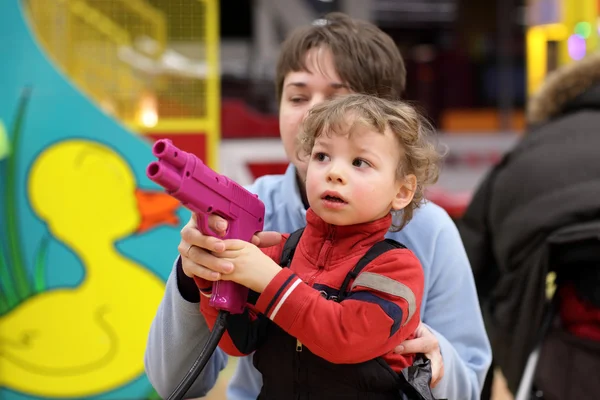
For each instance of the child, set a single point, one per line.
(369, 159)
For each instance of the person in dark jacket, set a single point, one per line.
(538, 212)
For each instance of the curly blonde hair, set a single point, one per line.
(421, 155)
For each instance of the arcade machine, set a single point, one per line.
(558, 32)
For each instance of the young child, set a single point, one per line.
(368, 160)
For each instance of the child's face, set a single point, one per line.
(352, 179)
(302, 90)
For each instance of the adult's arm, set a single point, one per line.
(453, 314)
(177, 336)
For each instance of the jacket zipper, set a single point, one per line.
(321, 262)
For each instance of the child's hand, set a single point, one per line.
(251, 267)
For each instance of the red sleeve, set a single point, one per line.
(381, 311)
(210, 313)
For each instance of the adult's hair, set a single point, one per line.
(366, 58)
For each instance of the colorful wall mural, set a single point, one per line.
(86, 240)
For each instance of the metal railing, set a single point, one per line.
(86, 44)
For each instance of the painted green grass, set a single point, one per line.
(152, 395)
(17, 283)
(4, 146)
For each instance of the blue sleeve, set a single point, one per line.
(246, 381)
(453, 314)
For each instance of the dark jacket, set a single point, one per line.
(546, 190)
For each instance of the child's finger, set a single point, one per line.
(266, 239)
(235, 244)
(227, 254)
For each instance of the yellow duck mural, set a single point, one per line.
(89, 339)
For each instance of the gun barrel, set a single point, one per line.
(164, 176)
(165, 150)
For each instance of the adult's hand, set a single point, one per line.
(426, 343)
(196, 249)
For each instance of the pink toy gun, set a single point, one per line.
(205, 192)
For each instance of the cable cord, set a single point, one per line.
(207, 351)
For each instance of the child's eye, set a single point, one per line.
(320, 156)
(360, 163)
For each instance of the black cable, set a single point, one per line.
(207, 351)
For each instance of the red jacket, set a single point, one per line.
(381, 311)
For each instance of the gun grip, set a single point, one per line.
(229, 296)
(226, 295)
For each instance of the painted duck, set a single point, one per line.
(88, 339)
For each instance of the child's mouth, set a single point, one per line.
(333, 199)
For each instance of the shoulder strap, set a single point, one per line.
(378, 249)
(290, 247)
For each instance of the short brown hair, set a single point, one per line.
(366, 58)
(421, 156)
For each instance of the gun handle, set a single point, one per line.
(226, 295)
(229, 296)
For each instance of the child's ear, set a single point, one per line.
(405, 192)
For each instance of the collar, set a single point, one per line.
(345, 241)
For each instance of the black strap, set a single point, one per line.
(290, 247)
(375, 251)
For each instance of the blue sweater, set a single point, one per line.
(450, 307)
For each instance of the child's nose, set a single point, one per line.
(335, 174)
